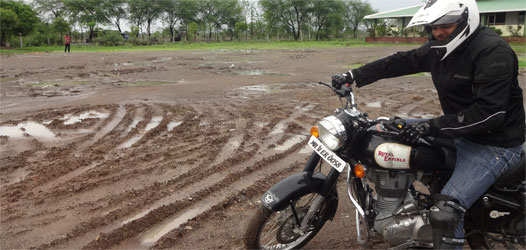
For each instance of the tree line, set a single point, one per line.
(46, 21)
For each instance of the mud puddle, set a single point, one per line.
(153, 235)
(70, 119)
(27, 129)
(290, 142)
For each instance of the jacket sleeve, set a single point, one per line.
(492, 83)
(398, 64)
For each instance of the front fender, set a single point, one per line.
(294, 186)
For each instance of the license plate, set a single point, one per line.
(326, 154)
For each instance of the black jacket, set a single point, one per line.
(477, 86)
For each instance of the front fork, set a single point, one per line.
(357, 195)
(319, 199)
(355, 190)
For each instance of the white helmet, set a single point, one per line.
(464, 13)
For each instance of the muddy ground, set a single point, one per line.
(170, 149)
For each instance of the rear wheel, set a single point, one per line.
(489, 241)
(478, 241)
(280, 229)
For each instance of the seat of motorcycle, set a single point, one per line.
(515, 174)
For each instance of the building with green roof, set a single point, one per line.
(506, 15)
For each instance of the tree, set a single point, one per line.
(50, 10)
(357, 10)
(230, 13)
(291, 13)
(171, 16)
(192, 30)
(145, 11)
(54, 7)
(327, 14)
(115, 11)
(8, 22)
(187, 11)
(209, 10)
(180, 12)
(43, 34)
(136, 15)
(258, 29)
(240, 28)
(16, 18)
(89, 13)
(61, 26)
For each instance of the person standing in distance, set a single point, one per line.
(67, 43)
(475, 73)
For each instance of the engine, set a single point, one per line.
(398, 219)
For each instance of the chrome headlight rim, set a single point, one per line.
(332, 132)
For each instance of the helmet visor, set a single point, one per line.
(449, 19)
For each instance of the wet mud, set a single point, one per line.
(170, 149)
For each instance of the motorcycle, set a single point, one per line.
(381, 172)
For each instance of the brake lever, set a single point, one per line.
(325, 84)
(335, 90)
(424, 141)
(344, 91)
(428, 140)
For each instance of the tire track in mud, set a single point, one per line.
(54, 193)
(192, 206)
(409, 99)
(170, 239)
(110, 126)
(104, 166)
(195, 186)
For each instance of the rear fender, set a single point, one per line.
(292, 187)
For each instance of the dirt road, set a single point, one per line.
(169, 149)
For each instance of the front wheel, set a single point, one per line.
(280, 229)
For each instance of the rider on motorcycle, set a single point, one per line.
(475, 73)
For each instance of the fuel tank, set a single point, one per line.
(385, 151)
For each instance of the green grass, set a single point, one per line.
(60, 83)
(519, 48)
(7, 79)
(419, 74)
(357, 65)
(148, 83)
(203, 46)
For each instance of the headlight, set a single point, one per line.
(332, 132)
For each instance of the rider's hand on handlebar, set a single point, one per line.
(412, 132)
(339, 80)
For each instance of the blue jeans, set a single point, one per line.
(477, 168)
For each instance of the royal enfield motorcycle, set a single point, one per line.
(390, 185)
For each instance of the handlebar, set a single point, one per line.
(344, 91)
(395, 126)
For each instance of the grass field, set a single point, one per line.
(199, 46)
(519, 48)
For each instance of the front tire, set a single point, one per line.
(279, 229)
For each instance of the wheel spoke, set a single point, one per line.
(277, 230)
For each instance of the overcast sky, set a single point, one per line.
(385, 5)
